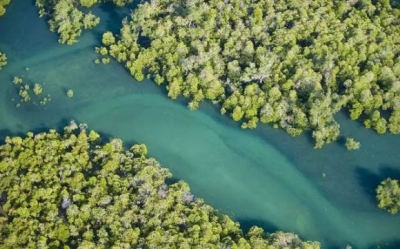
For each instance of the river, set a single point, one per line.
(259, 177)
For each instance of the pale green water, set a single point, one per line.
(260, 177)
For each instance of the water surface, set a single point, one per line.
(259, 177)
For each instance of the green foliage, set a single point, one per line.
(45, 100)
(29, 92)
(66, 18)
(24, 93)
(103, 51)
(108, 38)
(70, 93)
(87, 3)
(388, 195)
(105, 60)
(3, 3)
(305, 60)
(37, 89)
(70, 17)
(3, 60)
(352, 144)
(72, 191)
(139, 149)
(17, 80)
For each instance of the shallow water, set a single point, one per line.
(259, 177)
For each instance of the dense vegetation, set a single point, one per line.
(71, 191)
(3, 3)
(293, 64)
(69, 17)
(3, 57)
(3, 60)
(388, 195)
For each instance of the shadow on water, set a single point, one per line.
(105, 137)
(388, 171)
(59, 127)
(214, 111)
(341, 141)
(307, 134)
(392, 244)
(42, 127)
(172, 180)
(8, 133)
(113, 21)
(115, 16)
(246, 224)
(369, 180)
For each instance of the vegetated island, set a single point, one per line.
(71, 190)
(388, 195)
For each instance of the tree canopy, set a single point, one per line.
(71, 190)
(69, 17)
(352, 144)
(388, 195)
(3, 3)
(3, 57)
(3, 60)
(292, 63)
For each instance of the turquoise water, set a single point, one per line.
(259, 177)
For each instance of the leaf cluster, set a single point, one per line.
(3, 3)
(388, 195)
(3, 60)
(352, 144)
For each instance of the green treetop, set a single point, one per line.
(388, 195)
(352, 144)
(3, 3)
(3, 60)
(70, 93)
